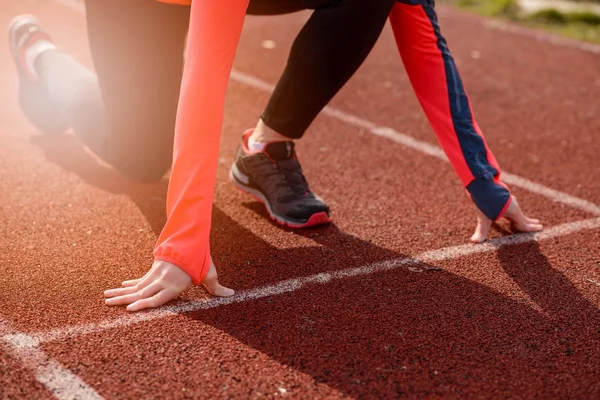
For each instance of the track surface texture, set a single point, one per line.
(388, 301)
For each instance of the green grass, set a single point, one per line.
(578, 25)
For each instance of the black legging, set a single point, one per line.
(126, 114)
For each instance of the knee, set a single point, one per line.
(147, 169)
(149, 174)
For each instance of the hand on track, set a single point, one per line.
(514, 214)
(164, 282)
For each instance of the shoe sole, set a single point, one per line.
(13, 26)
(320, 218)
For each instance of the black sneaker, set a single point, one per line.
(23, 32)
(274, 177)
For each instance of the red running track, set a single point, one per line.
(522, 321)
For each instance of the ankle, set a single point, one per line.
(264, 133)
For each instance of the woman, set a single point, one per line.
(182, 251)
(182, 254)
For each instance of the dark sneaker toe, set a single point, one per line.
(303, 211)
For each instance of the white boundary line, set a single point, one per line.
(401, 138)
(60, 381)
(292, 285)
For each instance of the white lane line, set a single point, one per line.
(291, 285)
(60, 381)
(401, 138)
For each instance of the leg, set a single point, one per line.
(126, 115)
(328, 50)
(137, 47)
(326, 53)
(75, 91)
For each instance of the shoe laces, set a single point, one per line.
(287, 177)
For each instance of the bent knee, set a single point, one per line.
(143, 169)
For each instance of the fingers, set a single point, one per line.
(216, 289)
(144, 293)
(163, 282)
(212, 285)
(157, 300)
(482, 230)
(519, 221)
(483, 227)
(126, 290)
(131, 288)
(528, 227)
(120, 291)
(132, 282)
(514, 214)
